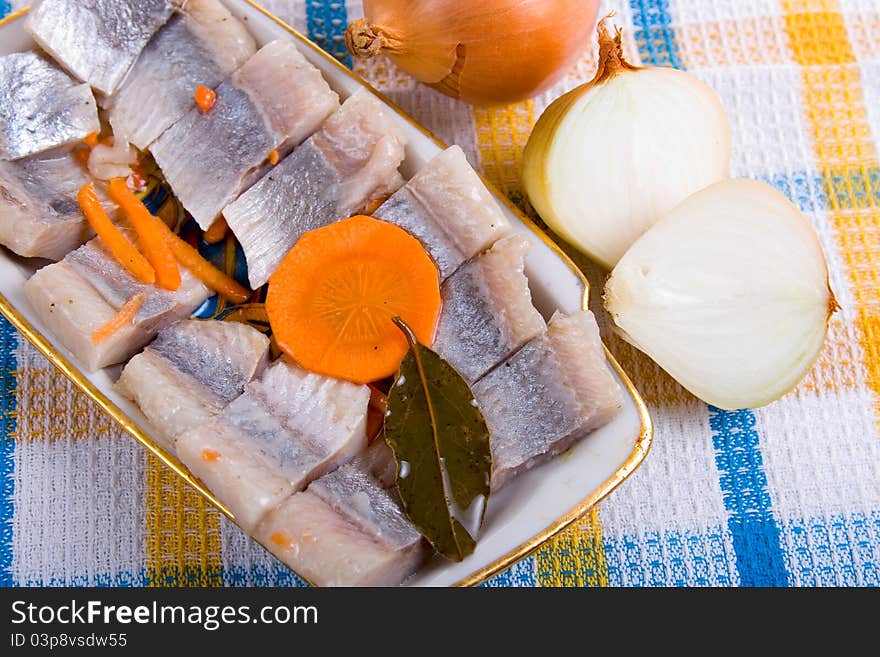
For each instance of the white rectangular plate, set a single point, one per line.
(529, 510)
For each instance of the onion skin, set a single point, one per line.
(606, 160)
(488, 52)
(729, 293)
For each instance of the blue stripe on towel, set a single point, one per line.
(755, 532)
(653, 33)
(672, 557)
(327, 20)
(260, 575)
(522, 573)
(834, 550)
(8, 365)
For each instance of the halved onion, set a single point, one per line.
(609, 158)
(728, 293)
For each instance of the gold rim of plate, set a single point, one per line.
(640, 450)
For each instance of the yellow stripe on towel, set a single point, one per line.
(834, 106)
(183, 532)
(576, 557)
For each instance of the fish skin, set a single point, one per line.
(97, 40)
(210, 157)
(191, 371)
(82, 292)
(448, 208)
(41, 107)
(378, 461)
(345, 529)
(208, 173)
(547, 396)
(203, 45)
(272, 215)
(487, 310)
(288, 428)
(160, 307)
(222, 356)
(353, 492)
(351, 159)
(39, 213)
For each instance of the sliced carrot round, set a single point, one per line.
(332, 301)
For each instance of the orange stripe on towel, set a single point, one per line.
(834, 106)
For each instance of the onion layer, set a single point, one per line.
(608, 159)
(728, 293)
(492, 51)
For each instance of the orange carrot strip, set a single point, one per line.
(374, 205)
(121, 249)
(249, 312)
(82, 155)
(151, 235)
(273, 157)
(205, 97)
(120, 320)
(333, 299)
(91, 139)
(189, 257)
(217, 231)
(210, 455)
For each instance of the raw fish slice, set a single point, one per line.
(487, 310)
(448, 208)
(39, 213)
(77, 296)
(344, 530)
(547, 396)
(191, 372)
(159, 309)
(273, 102)
(378, 461)
(203, 45)
(287, 429)
(41, 107)
(97, 40)
(352, 159)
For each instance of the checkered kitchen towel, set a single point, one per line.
(785, 495)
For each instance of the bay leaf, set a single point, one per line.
(441, 442)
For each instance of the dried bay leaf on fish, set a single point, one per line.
(441, 442)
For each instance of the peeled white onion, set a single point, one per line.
(608, 159)
(728, 293)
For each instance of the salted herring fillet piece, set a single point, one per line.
(487, 310)
(272, 103)
(448, 208)
(77, 296)
(345, 529)
(287, 429)
(98, 40)
(202, 45)
(191, 372)
(547, 396)
(39, 213)
(350, 161)
(378, 461)
(41, 106)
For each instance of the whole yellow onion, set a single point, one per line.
(492, 51)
